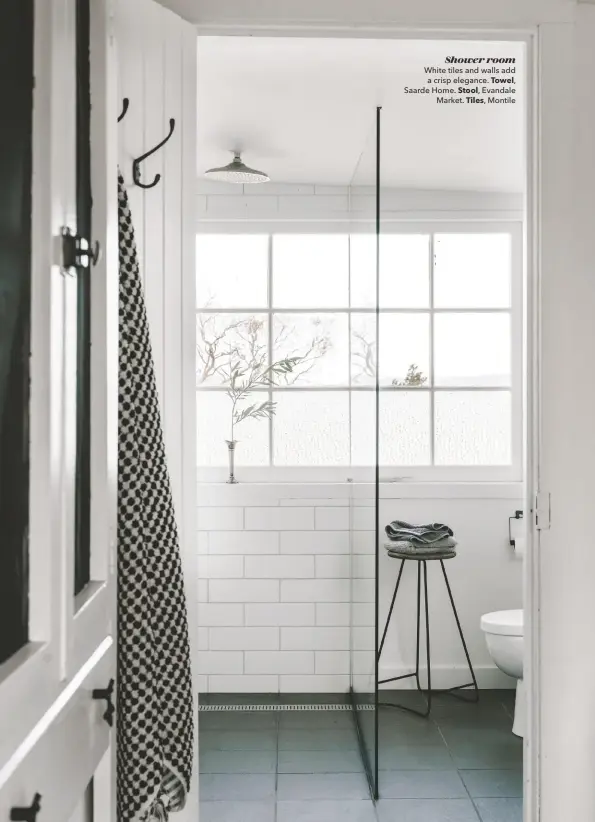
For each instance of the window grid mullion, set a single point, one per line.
(431, 375)
(349, 343)
(431, 389)
(270, 346)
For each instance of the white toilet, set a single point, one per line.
(504, 638)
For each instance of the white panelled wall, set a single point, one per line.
(157, 72)
(274, 589)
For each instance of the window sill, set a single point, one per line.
(328, 490)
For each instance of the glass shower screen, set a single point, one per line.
(364, 321)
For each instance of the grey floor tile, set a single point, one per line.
(322, 786)
(472, 722)
(263, 740)
(324, 739)
(242, 699)
(237, 812)
(415, 758)
(421, 785)
(426, 810)
(494, 783)
(474, 748)
(234, 787)
(314, 699)
(496, 756)
(237, 720)
(319, 762)
(306, 720)
(237, 761)
(490, 703)
(394, 730)
(500, 810)
(325, 811)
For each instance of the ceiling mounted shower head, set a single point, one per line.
(236, 172)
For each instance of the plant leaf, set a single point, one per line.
(264, 410)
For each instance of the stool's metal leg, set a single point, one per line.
(452, 602)
(392, 605)
(428, 656)
(418, 626)
(416, 673)
(427, 696)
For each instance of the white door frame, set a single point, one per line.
(547, 79)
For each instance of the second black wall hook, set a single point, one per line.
(125, 104)
(136, 163)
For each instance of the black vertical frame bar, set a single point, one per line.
(16, 163)
(82, 559)
(370, 758)
(377, 467)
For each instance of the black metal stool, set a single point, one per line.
(422, 562)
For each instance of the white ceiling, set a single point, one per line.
(303, 110)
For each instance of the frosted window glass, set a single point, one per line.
(472, 350)
(310, 271)
(321, 340)
(404, 428)
(473, 428)
(472, 270)
(311, 428)
(404, 349)
(231, 271)
(404, 270)
(226, 340)
(213, 420)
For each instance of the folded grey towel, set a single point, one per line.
(417, 534)
(445, 544)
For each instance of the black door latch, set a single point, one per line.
(76, 252)
(107, 694)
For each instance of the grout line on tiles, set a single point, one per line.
(471, 799)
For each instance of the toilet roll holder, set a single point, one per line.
(517, 515)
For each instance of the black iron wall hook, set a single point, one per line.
(136, 163)
(125, 104)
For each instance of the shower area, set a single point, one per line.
(352, 371)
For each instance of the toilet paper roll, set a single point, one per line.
(520, 545)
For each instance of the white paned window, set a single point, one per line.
(446, 345)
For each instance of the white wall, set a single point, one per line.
(225, 206)
(157, 72)
(348, 13)
(274, 592)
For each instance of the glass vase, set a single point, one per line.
(231, 451)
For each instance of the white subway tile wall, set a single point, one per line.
(274, 569)
(275, 586)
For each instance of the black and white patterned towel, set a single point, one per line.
(155, 714)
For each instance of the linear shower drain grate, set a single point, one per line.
(339, 706)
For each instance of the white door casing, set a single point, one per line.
(559, 568)
(53, 731)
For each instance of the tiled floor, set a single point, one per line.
(462, 765)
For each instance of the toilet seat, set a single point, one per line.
(503, 623)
